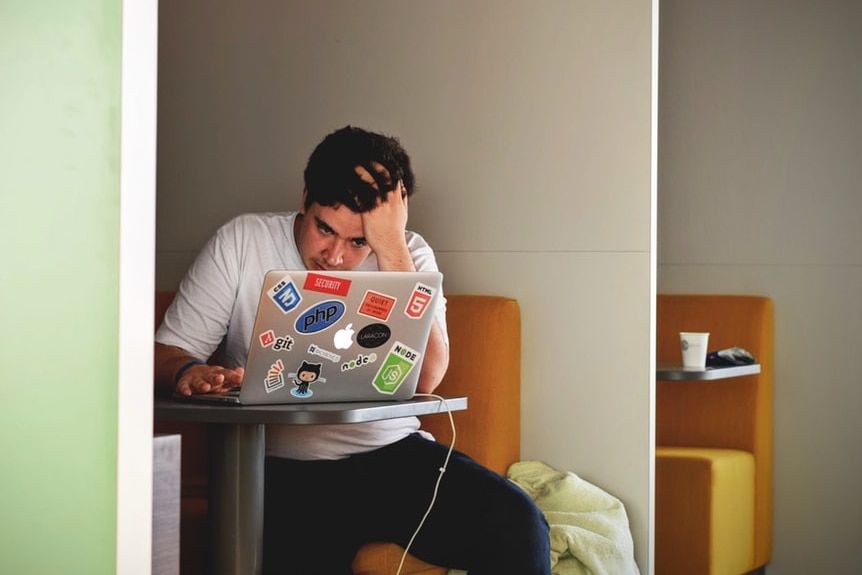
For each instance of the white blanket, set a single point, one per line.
(590, 532)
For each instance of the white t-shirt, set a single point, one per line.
(218, 300)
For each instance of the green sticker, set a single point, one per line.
(395, 368)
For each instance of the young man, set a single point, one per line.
(331, 488)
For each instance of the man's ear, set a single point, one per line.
(302, 205)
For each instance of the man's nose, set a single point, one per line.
(334, 253)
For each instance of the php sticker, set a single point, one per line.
(319, 317)
(395, 368)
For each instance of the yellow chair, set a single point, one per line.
(713, 498)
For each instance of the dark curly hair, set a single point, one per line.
(331, 178)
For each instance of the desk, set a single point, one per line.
(237, 461)
(675, 372)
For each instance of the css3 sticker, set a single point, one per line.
(285, 295)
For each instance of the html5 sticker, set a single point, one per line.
(419, 301)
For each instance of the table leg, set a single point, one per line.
(236, 498)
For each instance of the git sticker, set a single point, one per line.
(285, 295)
(395, 367)
(419, 301)
(279, 343)
(377, 305)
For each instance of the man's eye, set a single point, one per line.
(359, 242)
(324, 229)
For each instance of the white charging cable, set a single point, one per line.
(439, 478)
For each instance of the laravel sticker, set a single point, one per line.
(377, 305)
(327, 284)
(419, 301)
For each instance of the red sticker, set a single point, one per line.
(419, 301)
(327, 284)
(377, 305)
(266, 338)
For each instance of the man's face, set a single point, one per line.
(330, 238)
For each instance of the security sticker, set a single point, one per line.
(394, 370)
(285, 294)
(377, 305)
(327, 284)
(419, 301)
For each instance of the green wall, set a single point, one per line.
(59, 274)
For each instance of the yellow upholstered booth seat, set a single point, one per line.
(714, 442)
(712, 487)
(484, 330)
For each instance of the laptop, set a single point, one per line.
(336, 337)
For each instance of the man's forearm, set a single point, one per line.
(436, 361)
(167, 361)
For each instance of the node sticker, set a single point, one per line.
(395, 368)
(360, 361)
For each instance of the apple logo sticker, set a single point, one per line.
(344, 337)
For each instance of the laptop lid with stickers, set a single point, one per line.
(339, 336)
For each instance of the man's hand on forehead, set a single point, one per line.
(383, 176)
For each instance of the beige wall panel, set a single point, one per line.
(585, 365)
(760, 165)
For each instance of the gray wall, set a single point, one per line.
(530, 127)
(760, 164)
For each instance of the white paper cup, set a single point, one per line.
(693, 346)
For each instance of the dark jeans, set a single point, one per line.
(318, 513)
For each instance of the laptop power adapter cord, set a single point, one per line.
(439, 478)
